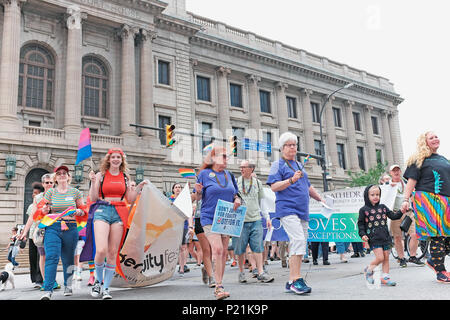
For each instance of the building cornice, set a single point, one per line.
(177, 25)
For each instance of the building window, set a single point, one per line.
(315, 112)
(163, 72)
(36, 77)
(163, 121)
(34, 123)
(95, 87)
(379, 156)
(203, 89)
(375, 125)
(206, 129)
(337, 117)
(341, 155)
(361, 162)
(357, 121)
(264, 98)
(292, 107)
(236, 95)
(268, 141)
(317, 149)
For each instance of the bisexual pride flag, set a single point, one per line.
(84, 146)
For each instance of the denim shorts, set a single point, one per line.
(385, 247)
(252, 234)
(108, 214)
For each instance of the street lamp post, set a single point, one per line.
(322, 146)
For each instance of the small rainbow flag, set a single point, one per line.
(186, 172)
(49, 219)
(209, 147)
(84, 146)
(305, 161)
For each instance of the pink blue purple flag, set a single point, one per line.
(84, 146)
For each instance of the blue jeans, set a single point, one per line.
(252, 234)
(12, 258)
(341, 247)
(59, 243)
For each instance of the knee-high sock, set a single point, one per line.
(99, 267)
(91, 267)
(109, 273)
(437, 252)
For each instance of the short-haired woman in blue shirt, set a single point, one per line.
(214, 183)
(289, 181)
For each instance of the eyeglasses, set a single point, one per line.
(291, 145)
(244, 167)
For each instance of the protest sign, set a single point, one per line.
(226, 220)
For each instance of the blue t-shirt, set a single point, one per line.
(295, 198)
(212, 192)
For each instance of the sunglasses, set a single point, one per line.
(48, 182)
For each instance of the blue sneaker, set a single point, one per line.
(443, 277)
(288, 287)
(368, 276)
(299, 287)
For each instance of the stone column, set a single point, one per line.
(254, 114)
(9, 64)
(331, 147)
(146, 83)
(307, 121)
(372, 155)
(128, 83)
(387, 137)
(396, 138)
(223, 105)
(72, 105)
(283, 122)
(351, 136)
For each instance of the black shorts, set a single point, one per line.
(197, 226)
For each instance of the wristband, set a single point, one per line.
(290, 181)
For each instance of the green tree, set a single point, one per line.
(362, 178)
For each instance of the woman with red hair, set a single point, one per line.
(214, 183)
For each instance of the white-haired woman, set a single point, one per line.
(429, 174)
(289, 181)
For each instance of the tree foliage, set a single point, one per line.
(372, 176)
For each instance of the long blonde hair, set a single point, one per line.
(423, 151)
(104, 164)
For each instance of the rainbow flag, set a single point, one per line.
(49, 219)
(84, 146)
(305, 161)
(186, 172)
(209, 147)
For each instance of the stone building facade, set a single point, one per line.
(106, 64)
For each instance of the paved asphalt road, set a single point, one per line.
(339, 281)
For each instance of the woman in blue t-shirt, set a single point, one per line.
(214, 183)
(288, 179)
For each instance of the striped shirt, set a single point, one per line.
(62, 201)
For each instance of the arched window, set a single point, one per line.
(95, 87)
(36, 77)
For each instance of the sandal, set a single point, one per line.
(220, 293)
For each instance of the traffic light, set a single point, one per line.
(233, 145)
(170, 141)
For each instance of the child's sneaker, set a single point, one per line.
(368, 276)
(443, 277)
(388, 282)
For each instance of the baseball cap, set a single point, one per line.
(394, 166)
(61, 167)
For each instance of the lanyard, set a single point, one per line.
(226, 179)
(243, 186)
(290, 166)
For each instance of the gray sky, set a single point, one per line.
(403, 41)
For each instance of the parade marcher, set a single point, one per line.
(397, 182)
(214, 183)
(108, 218)
(187, 228)
(13, 247)
(252, 192)
(373, 228)
(315, 252)
(289, 181)
(61, 237)
(31, 225)
(33, 254)
(429, 174)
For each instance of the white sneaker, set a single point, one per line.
(106, 295)
(46, 296)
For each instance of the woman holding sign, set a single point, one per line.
(214, 183)
(429, 174)
(289, 181)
